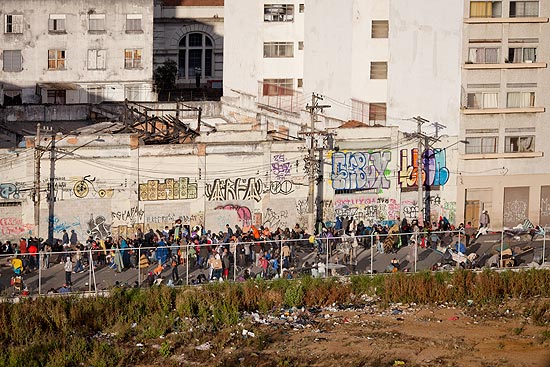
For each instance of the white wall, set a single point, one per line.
(424, 67)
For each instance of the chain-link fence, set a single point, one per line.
(94, 270)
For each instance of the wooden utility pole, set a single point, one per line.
(312, 166)
(419, 176)
(36, 194)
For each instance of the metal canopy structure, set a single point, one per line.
(160, 126)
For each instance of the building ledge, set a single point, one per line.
(505, 20)
(467, 157)
(488, 111)
(523, 65)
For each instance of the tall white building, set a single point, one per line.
(63, 52)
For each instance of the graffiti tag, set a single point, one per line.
(360, 171)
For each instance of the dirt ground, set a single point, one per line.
(402, 335)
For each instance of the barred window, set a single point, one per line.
(56, 59)
(278, 12)
(132, 58)
(278, 49)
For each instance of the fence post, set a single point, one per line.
(139, 265)
(501, 246)
(187, 265)
(544, 229)
(371, 252)
(415, 255)
(40, 272)
(234, 261)
(91, 267)
(328, 255)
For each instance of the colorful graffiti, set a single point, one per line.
(13, 226)
(360, 171)
(367, 209)
(238, 189)
(435, 172)
(86, 185)
(170, 189)
(280, 168)
(243, 213)
(9, 191)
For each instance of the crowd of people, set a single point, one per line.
(233, 253)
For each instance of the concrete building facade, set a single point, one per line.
(190, 33)
(505, 96)
(62, 52)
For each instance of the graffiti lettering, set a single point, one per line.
(545, 207)
(132, 215)
(9, 191)
(240, 189)
(280, 168)
(281, 187)
(13, 226)
(59, 226)
(170, 189)
(434, 161)
(360, 171)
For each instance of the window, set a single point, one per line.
(12, 97)
(300, 83)
(278, 12)
(485, 9)
(195, 55)
(132, 58)
(278, 49)
(379, 70)
(13, 23)
(56, 59)
(12, 60)
(56, 23)
(380, 29)
(300, 45)
(359, 110)
(96, 23)
(96, 59)
(377, 112)
(522, 54)
(482, 100)
(133, 23)
(479, 145)
(519, 9)
(301, 8)
(519, 144)
(520, 99)
(56, 97)
(95, 94)
(483, 55)
(277, 87)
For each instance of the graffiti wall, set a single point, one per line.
(360, 171)
(9, 191)
(435, 172)
(545, 206)
(516, 205)
(170, 189)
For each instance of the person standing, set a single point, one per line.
(74, 238)
(68, 270)
(65, 239)
(484, 219)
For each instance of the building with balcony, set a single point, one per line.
(504, 117)
(63, 52)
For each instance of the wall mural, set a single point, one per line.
(87, 185)
(10, 226)
(170, 189)
(243, 213)
(434, 161)
(98, 227)
(360, 171)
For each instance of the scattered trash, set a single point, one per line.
(139, 345)
(248, 333)
(453, 318)
(397, 362)
(134, 325)
(396, 311)
(205, 346)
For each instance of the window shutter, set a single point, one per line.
(92, 61)
(101, 59)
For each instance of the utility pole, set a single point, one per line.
(51, 191)
(36, 194)
(419, 176)
(312, 166)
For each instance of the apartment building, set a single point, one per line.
(63, 52)
(504, 117)
(190, 33)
